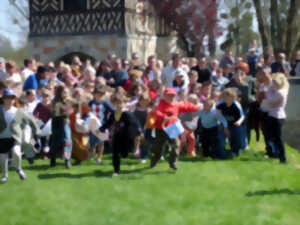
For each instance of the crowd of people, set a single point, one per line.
(155, 110)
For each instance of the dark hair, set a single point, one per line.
(51, 69)
(133, 88)
(174, 56)
(58, 94)
(99, 70)
(41, 69)
(27, 62)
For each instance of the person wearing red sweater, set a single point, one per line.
(166, 114)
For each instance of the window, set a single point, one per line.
(75, 5)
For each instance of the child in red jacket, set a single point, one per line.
(166, 114)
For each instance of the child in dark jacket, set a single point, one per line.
(233, 113)
(125, 129)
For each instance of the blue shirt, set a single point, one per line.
(31, 83)
(120, 77)
(210, 120)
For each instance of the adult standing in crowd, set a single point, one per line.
(264, 83)
(118, 75)
(104, 70)
(246, 90)
(29, 68)
(281, 65)
(204, 73)
(296, 66)
(252, 59)
(33, 80)
(227, 59)
(168, 74)
(274, 104)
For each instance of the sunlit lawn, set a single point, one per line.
(248, 190)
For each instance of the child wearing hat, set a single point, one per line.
(7, 142)
(166, 114)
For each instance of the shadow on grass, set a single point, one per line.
(96, 173)
(39, 167)
(132, 174)
(273, 192)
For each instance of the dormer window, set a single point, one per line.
(75, 5)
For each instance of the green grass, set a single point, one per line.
(248, 190)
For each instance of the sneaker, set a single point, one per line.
(3, 180)
(68, 164)
(98, 161)
(115, 174)
(22, 175)
(173, 167)
(283, 161)
(46, 149)
(143, 161)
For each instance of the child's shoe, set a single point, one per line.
(68, 164)
(3, 180)
(22, 175)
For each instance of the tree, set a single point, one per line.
(194, 20)
(240, 25)
(281, 31)
(19, 15)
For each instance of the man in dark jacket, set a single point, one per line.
(118, 75)
(204, 73)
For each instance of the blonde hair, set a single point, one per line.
(281, 81)
(209, 101)
(193, 99)
(231, 92)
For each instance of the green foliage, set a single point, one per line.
(17, 55)
(10, 53)
(247, 190)
(240, 29)
(235, 12)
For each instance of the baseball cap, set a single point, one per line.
(180, 72)
(170, 91)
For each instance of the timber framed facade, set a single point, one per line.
(96, 27)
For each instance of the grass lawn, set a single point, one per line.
(248, 190)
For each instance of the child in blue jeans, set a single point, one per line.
(233, 113)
